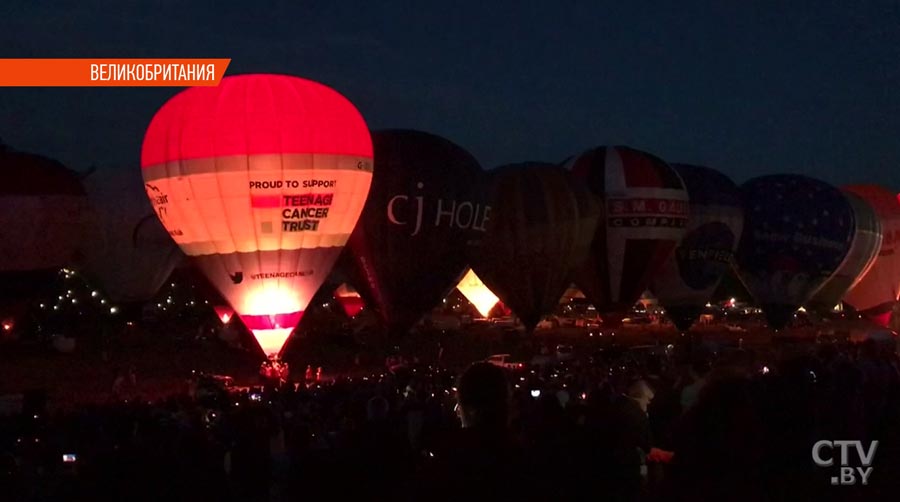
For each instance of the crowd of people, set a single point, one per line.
(733, 426)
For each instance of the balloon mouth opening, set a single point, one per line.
(272, 331)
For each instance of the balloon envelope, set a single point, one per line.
(646, 211)
(260, 180)
(128, 254)
(42, 207)
(877, 291)
(408, 250)
(477, 293)
(797, 231)
(692, 273)
(541, 225)
(867, 239)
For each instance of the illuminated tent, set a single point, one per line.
(260, 180)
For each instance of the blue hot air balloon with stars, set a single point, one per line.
(797, 231)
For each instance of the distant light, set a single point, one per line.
(42, 305)
(102, 302)
(94, 294)
(7, 325)
(56, 307)
(113, 310)
(74, 301)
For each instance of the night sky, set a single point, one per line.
(748, 88)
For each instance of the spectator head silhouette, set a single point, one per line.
(483, 397)
(641, 393)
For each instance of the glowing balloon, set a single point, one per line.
(224, 313)
(797, 231)
(477, 293)
(646, 211)
(260, 180)
(349, 299)
(408, 250)
(692, 273)
(540, 228)
(877, 291)
(127, 253)
(867, 239)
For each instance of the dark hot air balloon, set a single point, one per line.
(408, 250)
(877, 291)
(646, 211)
(867, 239)
(541, 225)
(692, 273)
(797, 231)
(260, 181)
(42, 207)
(127, 253)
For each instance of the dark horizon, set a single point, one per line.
(743, 89)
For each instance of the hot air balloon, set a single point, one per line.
(867, 239)
(42, 208)
(477, 293)
(349, 299)
(126, 253)
(540, 228)
(260, 180)
(877, 291)
(797, 231)
(408, 250)
(646, 209)
(689, 277)
(224, 313)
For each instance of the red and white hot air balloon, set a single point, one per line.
(479, 295)
(260, 180)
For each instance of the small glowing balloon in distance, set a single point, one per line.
(349, 299)
(224, 313)
(477, 293)
(260, 181)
